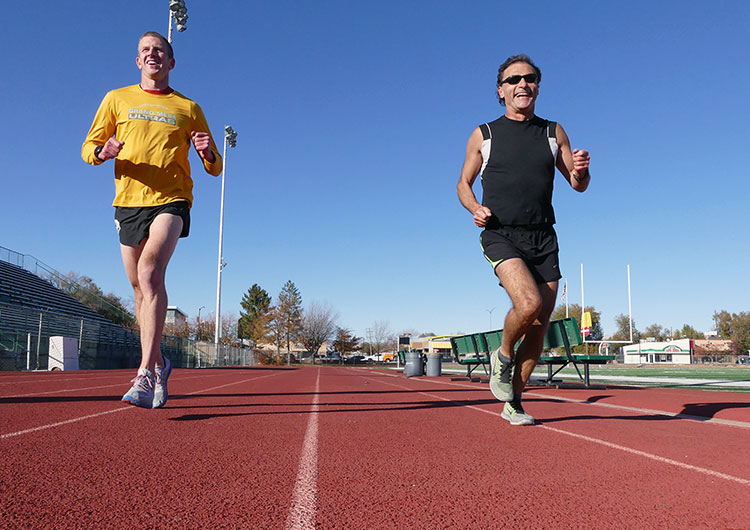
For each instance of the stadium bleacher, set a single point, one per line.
(33, 309)
(29, 303)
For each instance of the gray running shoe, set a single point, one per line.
(160, 388)
(141, 394)
(514, 413)
(501, 380)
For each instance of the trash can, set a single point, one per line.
(413, 366)
(434, 365)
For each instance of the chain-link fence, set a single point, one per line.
(25, 341)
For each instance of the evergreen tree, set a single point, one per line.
(288, 314)
(255, 315)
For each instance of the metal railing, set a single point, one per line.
(49, 274)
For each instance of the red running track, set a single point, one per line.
(349, 448)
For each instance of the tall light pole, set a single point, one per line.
(199, 335)
(177, 16)
(490, 312)
(230, 137)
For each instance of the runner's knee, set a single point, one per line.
(150, 276)
(529, 306)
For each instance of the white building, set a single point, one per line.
(672, 352)
(175, 320)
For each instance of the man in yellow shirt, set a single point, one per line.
(147, 129)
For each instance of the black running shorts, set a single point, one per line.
(133, 224)
(535, 245)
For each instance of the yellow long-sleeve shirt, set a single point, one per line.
(152, 168)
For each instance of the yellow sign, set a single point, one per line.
(586, 329)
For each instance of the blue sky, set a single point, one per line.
(353, 120)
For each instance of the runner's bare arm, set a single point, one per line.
(469, 172)
(574, 163)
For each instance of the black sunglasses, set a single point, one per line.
(515, 79)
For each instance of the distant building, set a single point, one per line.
(175, 321)
(651, 352)
(175, 316)
(682, 351)
(716, 350)
(438, 344)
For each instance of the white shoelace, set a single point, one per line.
(142, 382)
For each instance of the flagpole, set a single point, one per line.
(583, 304)
(630, 307)
(565, 295)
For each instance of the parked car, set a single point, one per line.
(329, 358)
(355, 359)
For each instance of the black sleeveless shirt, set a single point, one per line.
(518, 171)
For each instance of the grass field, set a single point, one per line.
(730, 373)
(675, 375)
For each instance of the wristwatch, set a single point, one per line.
(97, 151)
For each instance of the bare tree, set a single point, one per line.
(318, 326)
(381, 335)
(207, 328)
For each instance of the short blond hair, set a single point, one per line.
(167, 45)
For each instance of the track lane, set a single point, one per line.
(448, 445)
(391, 452)
(217, 456)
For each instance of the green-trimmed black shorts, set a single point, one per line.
(536, 245)
(133, 224)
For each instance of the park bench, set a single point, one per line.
(473, 351)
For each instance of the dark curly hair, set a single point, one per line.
(520, 58)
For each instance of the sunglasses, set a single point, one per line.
(515, 79)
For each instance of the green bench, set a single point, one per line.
(473, 351)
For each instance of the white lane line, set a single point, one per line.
(60, 423)
(304, 506)
(230, 384)
(700, 419)
(119, 409)
(638, 410)
(53, 379)
(61, 391)
(657, 458)
(182, 378)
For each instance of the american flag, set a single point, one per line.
(564, 292)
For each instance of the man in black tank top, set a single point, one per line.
(517, 155)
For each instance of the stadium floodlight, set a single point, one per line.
(177, 16)
(230, 137)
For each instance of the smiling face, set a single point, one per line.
(519, 98)
(153, 58)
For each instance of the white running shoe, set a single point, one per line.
(141, 394)
(160, 389)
